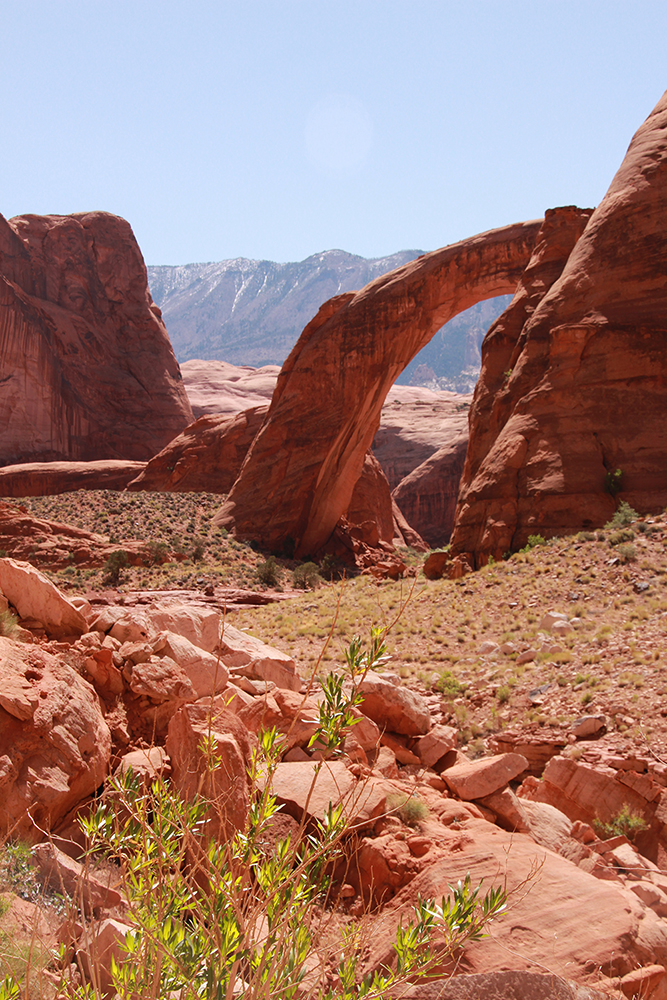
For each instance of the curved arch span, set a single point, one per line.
(300, 472)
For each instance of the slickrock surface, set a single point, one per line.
(216, 387)
(325, 411)
(39, 479)
(87, 370)
(575, 390)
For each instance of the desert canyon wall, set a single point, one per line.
(573, 386)
(298, 477)
(86, 371)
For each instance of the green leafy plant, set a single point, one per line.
(114, 566)
(627, 552)
(623, 516)
(625, 824)
(613, 481)
(306, 576)
(9, 623)
(532, 542)
(269, 572)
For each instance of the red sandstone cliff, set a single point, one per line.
(86, 368)
(301, 470)
(573, 381)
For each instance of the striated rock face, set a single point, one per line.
(303, 465)
(572, 384)
(415, 423)
(220, 388)
(427, 496)
(40, 479)
(87, 371)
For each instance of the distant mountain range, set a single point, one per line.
(251, 312)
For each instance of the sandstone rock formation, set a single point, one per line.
(301, 470)
(216, 387)
(414, 424)
(428, 495)
(206, 456)
(54, 742)
(572, 380)
(87, 370)
(39, 479)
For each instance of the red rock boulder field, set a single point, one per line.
(572, 386)
(301, 470)
(86, 371)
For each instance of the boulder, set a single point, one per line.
(308, 789)
(587, 927)
(54, 743)
(395, 708)
(75, 310)
(149, 763)
(503, 986)
(65, 875)
(200, 624)
(204, 673)
(246, 655)
(101, 944)
(571, 387)
(227, 787)
(35, 597)
(298, 478)
(476, 779)
(437, 742)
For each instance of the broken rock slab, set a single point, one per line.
(64, 874)
(35, 597)
(503, 986)
(396, 709)
(246, 655)
(478, 778)
(206, 673)
(305, 787)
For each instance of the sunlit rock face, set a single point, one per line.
(86, 368)
(573, 373)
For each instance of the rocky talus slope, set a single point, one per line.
(88, 687)
(86, 371)
(572, 383)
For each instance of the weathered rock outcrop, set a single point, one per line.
(428, 495)
(573, 389)
(301, 470)
(40, 479)
(207, 456)
(220, 388)
(87, 371)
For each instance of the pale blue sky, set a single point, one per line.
(279, 129)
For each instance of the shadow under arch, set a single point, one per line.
(299, 474)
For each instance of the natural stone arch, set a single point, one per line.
(300, 472)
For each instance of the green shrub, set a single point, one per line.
(156, 553)
(628, 553)
(533, 541)
(9, 624)
(114, 566)
(448, 685)
(613, 482)
(503, 694)
(269, 572)
(306, 576)
(624, 515)
(624, 535)
(586, 536)
(624, 824)
(410, 808)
